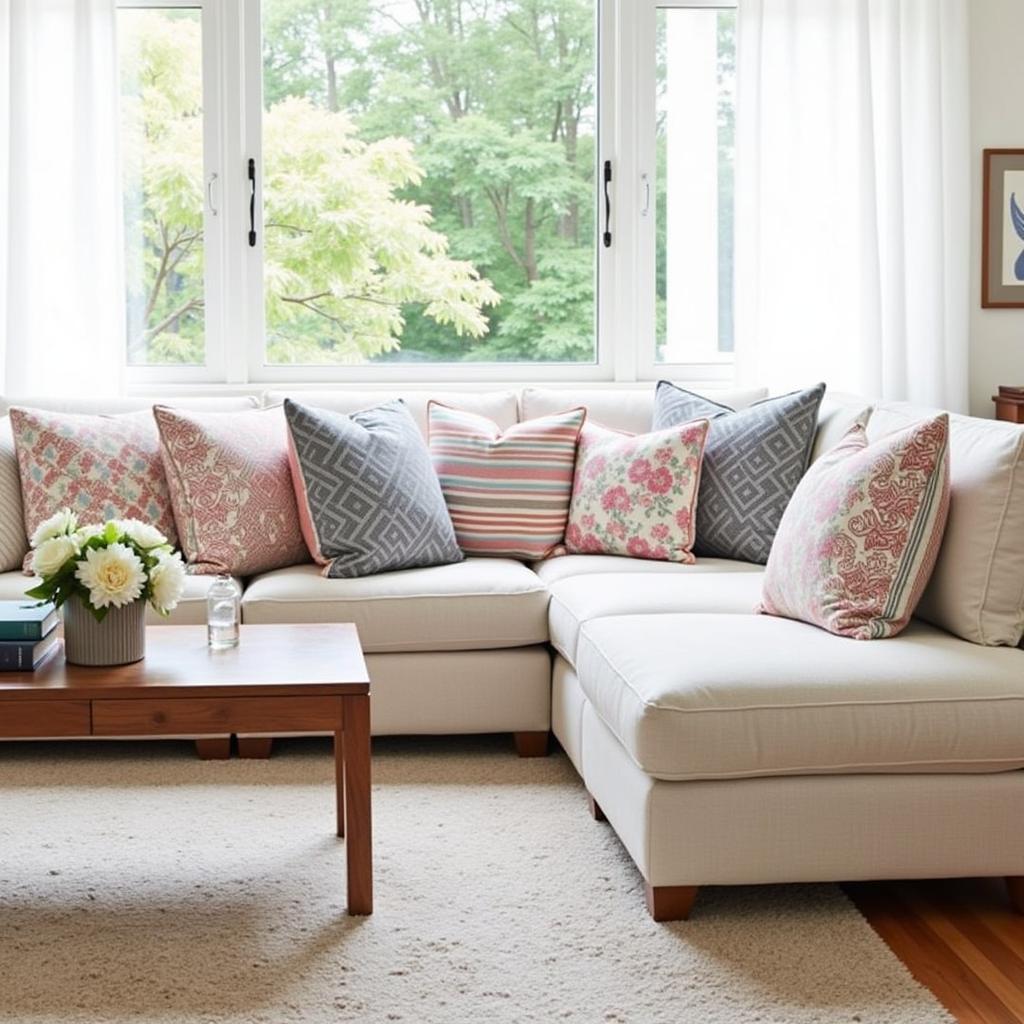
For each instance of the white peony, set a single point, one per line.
(87, 532)
(63, 522)
(52, 554)
(145, 535)
(167, 578)
(113, 575)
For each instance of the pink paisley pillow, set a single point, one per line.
(859, 538)
(101, 467)
(231, 489)
(636, 495)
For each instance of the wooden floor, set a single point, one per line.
(960, 938)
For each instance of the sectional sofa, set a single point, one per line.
(723, 747)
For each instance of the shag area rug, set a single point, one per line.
(139, 884)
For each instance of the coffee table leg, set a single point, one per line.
(356, 755)
(339, 777)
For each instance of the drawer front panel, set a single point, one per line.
(184, 715)
(26, 718)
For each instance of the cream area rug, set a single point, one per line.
(139, 884)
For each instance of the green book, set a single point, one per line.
(26, 620)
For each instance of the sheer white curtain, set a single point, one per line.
(853, 192)
(61, 293)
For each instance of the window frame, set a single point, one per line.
(624, 273)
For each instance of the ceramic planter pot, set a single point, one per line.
(118, 640)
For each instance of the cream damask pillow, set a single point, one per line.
(858, 542)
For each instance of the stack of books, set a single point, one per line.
(28, 634)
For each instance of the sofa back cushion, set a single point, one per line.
(13, 541)
(977, 587)
(368, 496)
(231, 489)
(101, 467)
(500, 406)
(620, 408)
(838, 415)
(508, 490)
(134, 403)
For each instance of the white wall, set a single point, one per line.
(997, 120)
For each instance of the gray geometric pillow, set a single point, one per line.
(753, 460)
(369, 499)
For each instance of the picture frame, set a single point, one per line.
(1002, 245)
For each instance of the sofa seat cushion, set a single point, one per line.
(734, 696)
(472, 605)
(191, 610)
(577, 600)
(551, 570)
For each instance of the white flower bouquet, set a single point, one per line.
(106, 565)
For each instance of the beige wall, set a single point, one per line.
(997, 120)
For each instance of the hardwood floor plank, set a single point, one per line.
(992, 963)
(929, 957)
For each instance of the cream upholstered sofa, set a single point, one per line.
(723, 747)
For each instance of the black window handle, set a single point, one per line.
(252, 201)
(607, 204)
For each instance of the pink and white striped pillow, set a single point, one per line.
(860, 536)
(507, 492)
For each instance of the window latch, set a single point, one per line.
(252, 202)
(607, 204)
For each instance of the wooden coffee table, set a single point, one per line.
(284, 678)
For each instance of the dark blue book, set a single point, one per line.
(26, 620)
(24, 655)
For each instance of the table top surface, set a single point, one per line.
(269, 661)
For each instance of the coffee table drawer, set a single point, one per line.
(215, 715)
(44, 718)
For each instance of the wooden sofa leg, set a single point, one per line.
(531, 744)
(670, 902)
(255, 746)
(595, 809)
(1015, 887)
(213, 748)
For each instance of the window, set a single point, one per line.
(414, 189)
(162, 159)
(428, 181)
(696, 128)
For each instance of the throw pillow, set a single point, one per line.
(101, 467)
(860, 537)
(13, 542)
(636, 495)
(231, 489)
(507, 492)
(753, 460)
(369, 500)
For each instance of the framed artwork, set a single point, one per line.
(1002, 245)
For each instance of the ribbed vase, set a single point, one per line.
(118, 640)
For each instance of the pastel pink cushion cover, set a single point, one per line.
(859, 539)
(231, 489)
(101, 467)
(637, 495)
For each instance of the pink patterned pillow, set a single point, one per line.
(636, 495)
(101, 467)
(231, 489)
(859, 538)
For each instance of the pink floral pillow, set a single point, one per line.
(231, 489)
(101, 467)
(859, 538)
(636, 495)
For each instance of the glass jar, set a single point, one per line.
(223, 612)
